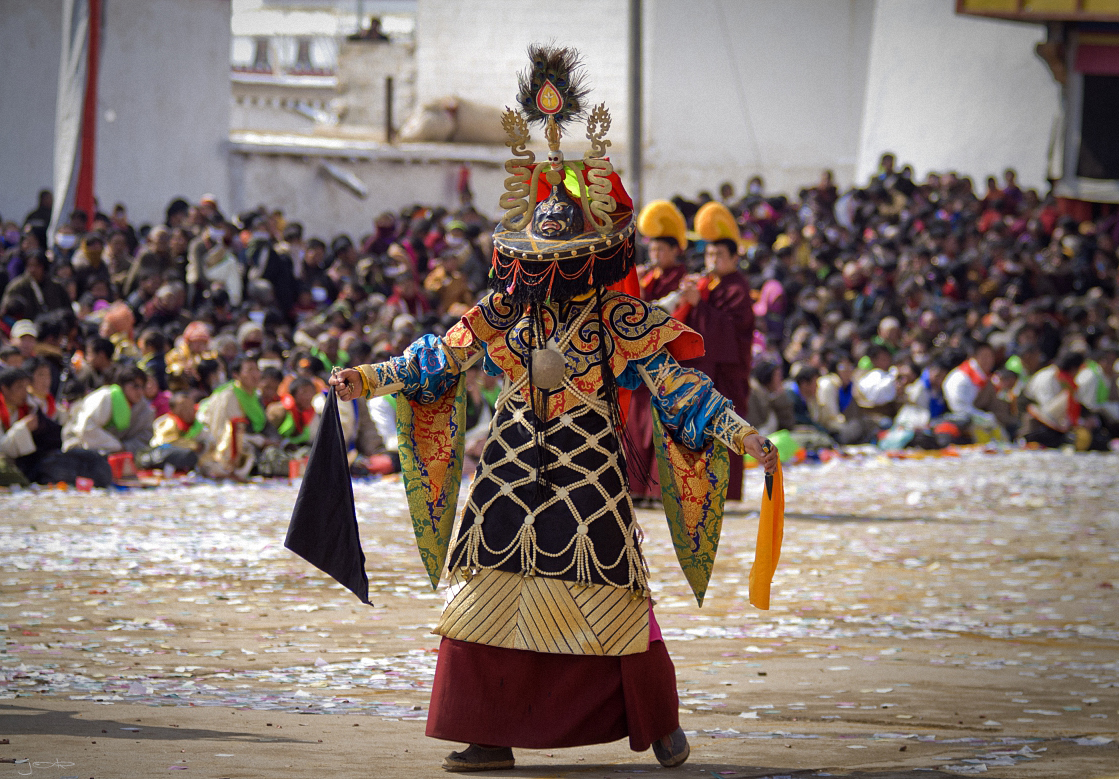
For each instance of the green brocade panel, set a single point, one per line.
(693, 491)
(432, 438)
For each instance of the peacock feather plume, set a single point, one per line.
(554, 85)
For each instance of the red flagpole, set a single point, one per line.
(83, 197)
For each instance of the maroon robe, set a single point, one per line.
(514, 698)
(641, 460)
(657, 283)
(725, 319)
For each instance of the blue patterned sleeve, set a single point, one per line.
(691, 409)
(424, 373)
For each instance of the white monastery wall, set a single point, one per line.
(30, 48)
(164, 105)
(947, 92)
(163, 102)
(752, 87)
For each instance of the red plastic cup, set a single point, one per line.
(122, 465)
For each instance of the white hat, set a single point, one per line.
(247, 330)
(24, 327)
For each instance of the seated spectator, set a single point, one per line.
(1053, 411)
(210, 375)
(147, 283)
(225, 347)
(801, 393)
(294, 416)
(167, 307)
(160, 399)
(1096, 387)
(964, 392)
(407, 297)
(801, 389)
(11, 356)
(925, 396)
(238, 421)
(89, 265)
(835, 392)
(1003, 400)
(32, 442)
(155, 261)
(273, 385)
(876, 387)
(296, 421)
(67, 236)
(18, 423)
(35, 290)
(14, 261)
(93, 372)
(313, 276)
(118, 256)
(917, 421)
(770, 408)
(179, 438)
(25, 336)
(113, 418)
(92, 303)
(213, 265)
(54, 329)
(250, 337)
(447, 285)
(40, 393)
(328, 352)
(1025, 363)
(152, 345)
(118, 325)
(191, 349)
(216, 309)
(876, 392)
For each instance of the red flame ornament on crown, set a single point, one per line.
(549, 100)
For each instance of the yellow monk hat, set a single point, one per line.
(662, 219)
(715, 222)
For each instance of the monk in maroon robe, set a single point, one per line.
(657, 282)
(718, 306)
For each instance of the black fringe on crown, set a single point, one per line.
(566, 280)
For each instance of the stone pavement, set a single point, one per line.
(933, 617)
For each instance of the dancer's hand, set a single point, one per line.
(762, 450)
(346, 383)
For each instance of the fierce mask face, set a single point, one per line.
(557, 217)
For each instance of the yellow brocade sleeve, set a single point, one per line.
(732, 429)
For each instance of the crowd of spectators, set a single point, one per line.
(923, 314)
(204, 343)
(897, 313)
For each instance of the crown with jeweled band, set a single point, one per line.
(568, 225)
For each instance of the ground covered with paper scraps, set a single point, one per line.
(931, 617)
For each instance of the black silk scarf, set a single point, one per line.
(323, 528)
